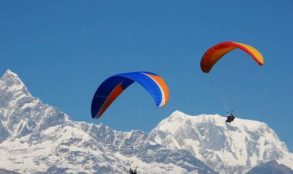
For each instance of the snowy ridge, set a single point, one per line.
(38, 138)
(226, 148)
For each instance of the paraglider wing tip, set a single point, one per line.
(261, 63)
(205, 70)
(161, 105)
(94, 116)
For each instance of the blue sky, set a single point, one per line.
(63, 50)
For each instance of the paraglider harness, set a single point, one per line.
(230, 117)
(132, 171)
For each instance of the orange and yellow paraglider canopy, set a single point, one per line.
(215, 53)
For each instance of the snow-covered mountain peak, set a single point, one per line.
(171, 123)
(182, 116)
(227, 148)
(11, 83)
(11, 79)
(9, 73)
(22, 114)
(178, 117)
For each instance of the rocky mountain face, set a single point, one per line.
(226, 148)
(38, 138)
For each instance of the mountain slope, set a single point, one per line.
(227, 148)
(38, 138)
